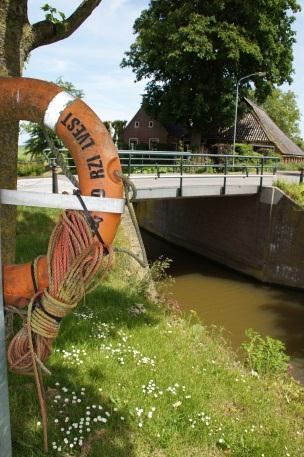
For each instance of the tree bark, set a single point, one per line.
(13, 21)
(17, 38)
(44, 32)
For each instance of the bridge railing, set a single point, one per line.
(164, 162)
(182, 164)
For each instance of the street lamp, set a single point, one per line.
(259, 73)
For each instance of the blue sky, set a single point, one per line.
(91, 57)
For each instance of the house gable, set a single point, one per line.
(281, 141)
(144, 129)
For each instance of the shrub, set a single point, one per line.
(142, 147)
(290, 166)
(244, 149)
(265, 355)
(293, 190)
(156, 276)
(30, 169)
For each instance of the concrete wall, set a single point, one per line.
(260, 235)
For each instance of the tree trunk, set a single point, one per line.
(17, 38)
(13, 21)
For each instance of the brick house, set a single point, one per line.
(255, 128)
(143, 130)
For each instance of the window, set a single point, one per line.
(133, 142)
(136, 124)
(150, 124)
(153, 142)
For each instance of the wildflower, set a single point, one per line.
(177, 404)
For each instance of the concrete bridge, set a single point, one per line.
(256, 229)
(169, 186)
(166, 174)
(163, 174)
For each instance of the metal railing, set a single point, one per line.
(52, 163)
(164, 161)
(184, 164)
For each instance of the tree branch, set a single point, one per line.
(45, 32)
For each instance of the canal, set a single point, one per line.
(233, 301)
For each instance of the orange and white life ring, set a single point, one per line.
(92, 149)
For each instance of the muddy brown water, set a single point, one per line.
(233, 301)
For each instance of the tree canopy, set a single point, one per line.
(194, 52)
(116, 130)
(282, 107)
(37, 141)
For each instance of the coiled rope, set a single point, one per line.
(130, 195)
(75, 259)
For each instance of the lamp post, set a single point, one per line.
(259, 73)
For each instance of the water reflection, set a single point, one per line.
(235, 302)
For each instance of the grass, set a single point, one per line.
(293, 190)
(156, 384)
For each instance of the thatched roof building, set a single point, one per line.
(258, 129)
(255, 128)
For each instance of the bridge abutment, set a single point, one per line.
(259, 235)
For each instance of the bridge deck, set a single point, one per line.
(172, 186)
(169, 185)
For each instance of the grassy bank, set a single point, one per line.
(293, 190)
(155, 384)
